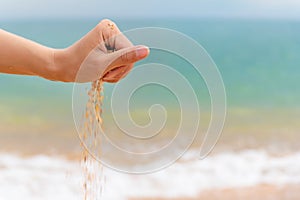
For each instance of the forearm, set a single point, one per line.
(21, 56)
(25, 57)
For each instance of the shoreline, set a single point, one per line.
(225, 176)
(262, 191)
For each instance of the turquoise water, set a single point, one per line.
(258, 60)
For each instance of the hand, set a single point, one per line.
(103, 53)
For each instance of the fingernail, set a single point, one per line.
(142, 51)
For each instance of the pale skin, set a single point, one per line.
(91, 55)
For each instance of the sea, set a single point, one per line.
(256, 156)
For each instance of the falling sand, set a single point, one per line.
(93, 179)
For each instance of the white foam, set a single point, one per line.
(43, 177)
(38, 177)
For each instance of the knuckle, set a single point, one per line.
(125, 57)
(104, 22)
(128, 57)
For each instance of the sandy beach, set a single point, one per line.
(256, 157)
(248, 174)
(266, 192)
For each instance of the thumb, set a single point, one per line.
(127, 56)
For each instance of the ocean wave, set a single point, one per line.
(46, 177)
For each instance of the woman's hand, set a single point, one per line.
(103, 53)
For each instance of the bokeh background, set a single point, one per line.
(255, 45)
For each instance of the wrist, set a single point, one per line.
(63, 66)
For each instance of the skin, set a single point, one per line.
(86, 60)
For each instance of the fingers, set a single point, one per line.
(128, 55)
(117, 74)
(112, 37)
(121, 42)
(124, 54)
(123, 61)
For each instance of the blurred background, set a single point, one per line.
(255, 45)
